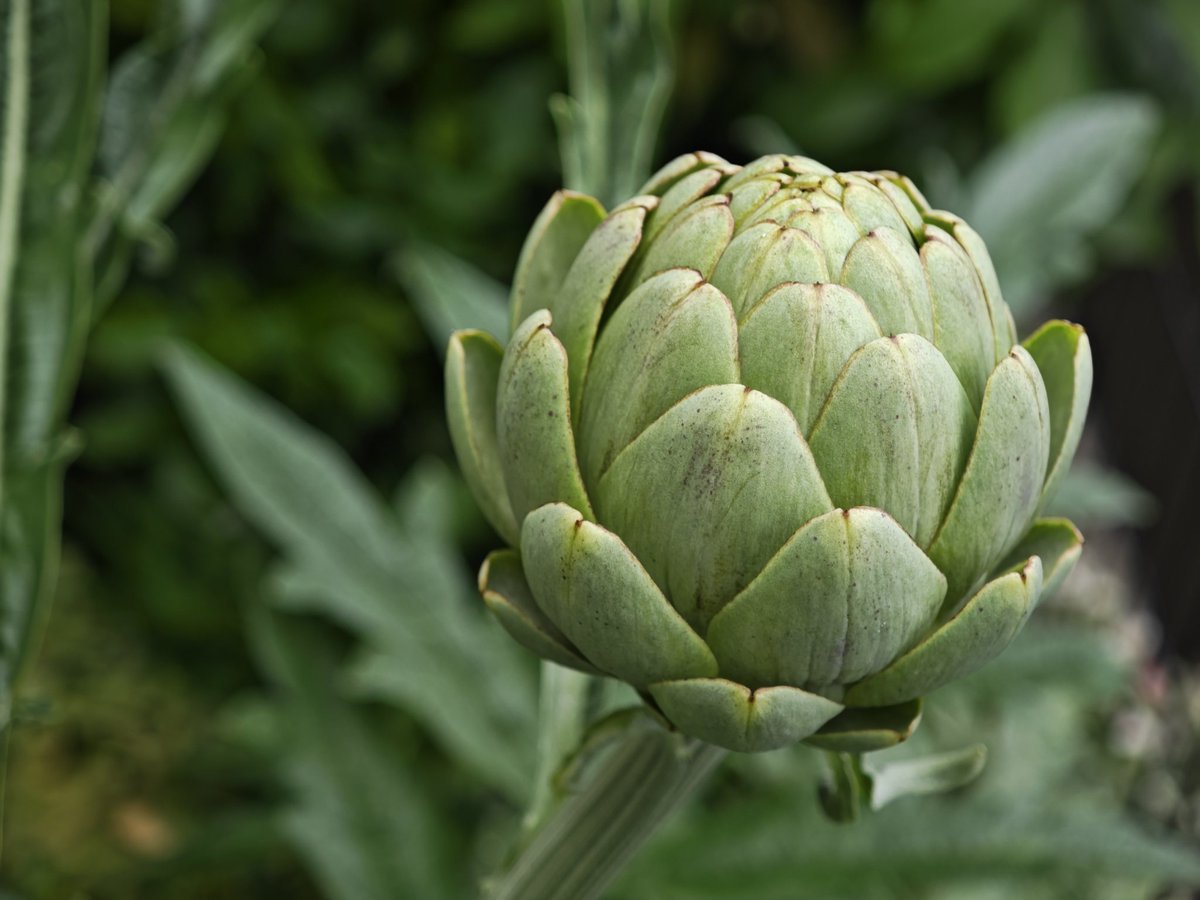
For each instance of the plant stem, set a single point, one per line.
(562, 720)
(596, 830)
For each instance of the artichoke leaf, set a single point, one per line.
(472, 373)
(533, 421)
(694, 240)
(1064, 358)
(885, 270)
(673, 335)
(795, 341)
(680, 167)
(867, 729)
(1002, 485)
(1004, 333)
(747, 198)
(730, 715)
(764, 256)
(984, 626)
(709, 492)
(870, 208)
(806, 165)
(846, 595)
(1057, 542)
(504, 589)
(764, 166)
(831, 228)
(962, 323)
(908, 201)
(896, 432)
(589, 283)
(558, 234)
(681, 195)
(595, 591)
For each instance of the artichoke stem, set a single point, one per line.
(562, 721)
(594, 832)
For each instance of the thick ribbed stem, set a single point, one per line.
(594, 832)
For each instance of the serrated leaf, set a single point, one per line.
(765, 848)
(367, 828)
(404, 591)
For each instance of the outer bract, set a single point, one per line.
(765, 446)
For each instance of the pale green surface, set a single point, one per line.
(795, 341)
(885, 270)
(1002, 485)
(1064, 358)
(825, 611)
(730, 715)
(590, 585)
(588, 284)
(979, 631)
(472, 373)
(554, 242)
(764, 256)
(962, 323)
(895, 433)
(730, 356)
(507, 594)
(533, 421)
(1056, 542)
(709, 492)
(674, 334)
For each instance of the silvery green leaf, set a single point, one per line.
(621, 73)
(403, 591)
(367, 827)
(933, 774)
(1042, 196)
(450, 294)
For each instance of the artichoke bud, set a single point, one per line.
(764, 446)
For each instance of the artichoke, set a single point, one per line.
(764, 446)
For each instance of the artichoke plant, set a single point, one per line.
(764, 445)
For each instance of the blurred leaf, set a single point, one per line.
(934, 774)
(933, 43)
(1096, 496)
(404, 590)
(359, 816)
(1046, 656)
(765, 848)
(1053, 66)
(450, 294)
(762, 136)
(50, 76)
(164, 110)
(621, 68)
(1038, 199)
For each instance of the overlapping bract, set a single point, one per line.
(764, 446)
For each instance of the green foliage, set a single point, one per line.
(620, 60)
(57, 238)
(349, 558)
(1038, 199)
(374, 133)
(357, 809)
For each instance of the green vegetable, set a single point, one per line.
(764, 446)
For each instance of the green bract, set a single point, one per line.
(765, 447)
